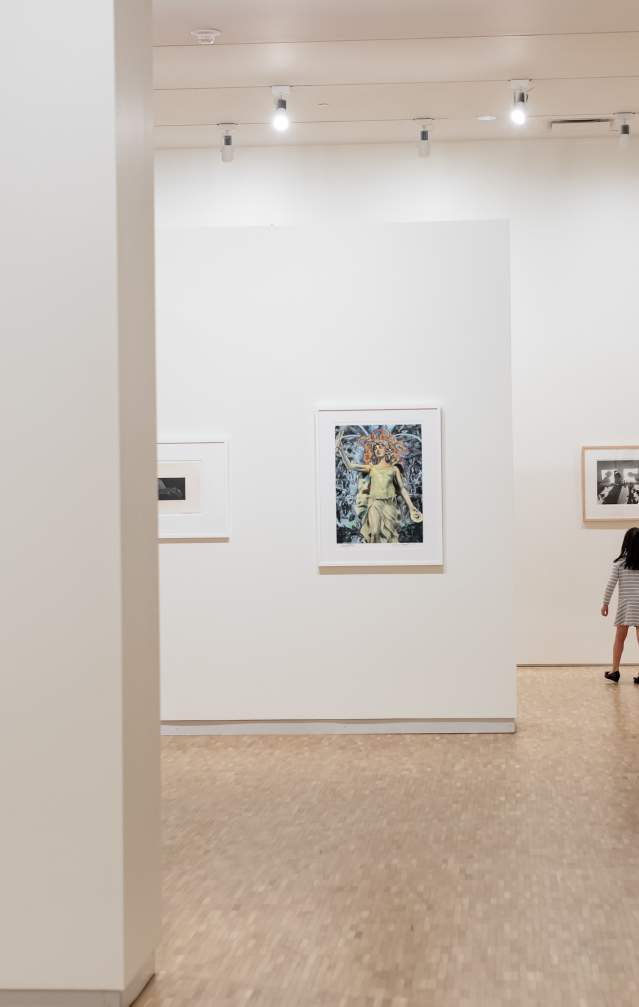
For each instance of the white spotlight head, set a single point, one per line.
(519, 113)
(226, 150)
(622, 122)
(423, 143)
(281, 120)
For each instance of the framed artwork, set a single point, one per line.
(610, 483)
(193, 490)
(379, 487)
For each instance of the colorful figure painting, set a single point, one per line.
(379, 486)
(378, 480)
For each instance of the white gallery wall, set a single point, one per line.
(257, 327)
(79, 747)
(573, 209)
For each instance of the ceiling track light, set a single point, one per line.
(226, 150)
(622, 122)
(519, 112)
(281, 120)
(423, 142)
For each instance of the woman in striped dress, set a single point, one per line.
(625, 575)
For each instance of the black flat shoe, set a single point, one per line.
(636, 680)
(614, 676)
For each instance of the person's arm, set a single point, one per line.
(610, 587)
(412, 509)
(353, 466)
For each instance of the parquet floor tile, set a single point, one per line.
(410, 870)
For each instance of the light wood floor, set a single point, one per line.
(410, 871)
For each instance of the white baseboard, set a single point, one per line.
(504, 725)
(80, 998)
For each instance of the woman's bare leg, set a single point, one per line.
(617, 650)
(374, 523)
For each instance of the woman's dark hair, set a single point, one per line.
(630, 549)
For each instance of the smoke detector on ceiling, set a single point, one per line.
(206, 36)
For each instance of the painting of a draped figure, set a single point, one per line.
(378, 484)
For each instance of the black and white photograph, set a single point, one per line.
(610, 483)
(179, 487)
(172, 488)
(618, 482)
(193, 490)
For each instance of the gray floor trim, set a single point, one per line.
(60, 998)
(80, 998)
(579, 664)
(238, 727)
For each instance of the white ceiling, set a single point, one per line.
(363, 70)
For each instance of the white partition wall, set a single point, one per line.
(573, 212)
(257, 327)
(79, 840)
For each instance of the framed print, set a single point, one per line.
(610, 483)
(379, 487)
(193, 489)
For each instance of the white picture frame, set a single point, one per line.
(610, 482)
(334, 552)
(197, 473)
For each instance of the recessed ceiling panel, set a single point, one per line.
(462, 59)
(305, 134)
(383, 102)
(362, 70)
(308, 20)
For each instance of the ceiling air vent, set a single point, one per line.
(581, 127)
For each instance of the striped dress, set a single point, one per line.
(628, 581)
